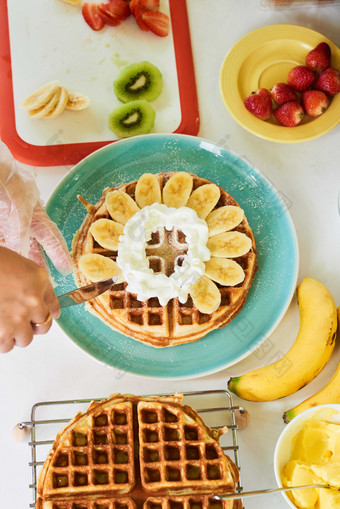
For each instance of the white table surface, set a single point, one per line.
(307, 176)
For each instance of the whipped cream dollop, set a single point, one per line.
(133, 262)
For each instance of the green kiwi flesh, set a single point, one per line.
(142, 80)
(131, 119)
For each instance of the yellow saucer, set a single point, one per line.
(259, 60)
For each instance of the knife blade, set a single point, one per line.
(86, 293)
(230, 496)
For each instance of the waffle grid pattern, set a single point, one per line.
(101, 503)
(191, 502)
(174, 452)
(99, 457)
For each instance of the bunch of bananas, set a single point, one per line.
(51, 99)
(309, 354)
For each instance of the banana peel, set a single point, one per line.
(329, 394)
(309, 354)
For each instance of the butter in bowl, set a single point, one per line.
(307, 453)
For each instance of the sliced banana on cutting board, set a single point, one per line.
(106, 233)
(77, 101)
(97, 267)
(51, 99)
(148, 190)
(205, 295)
(204, 199)
(229, 244)
(224, 271)
(224, 219)
(121, 206)
(177, 190)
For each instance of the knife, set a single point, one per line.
(86, 293)
(230, 496)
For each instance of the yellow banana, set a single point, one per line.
(329, 394)
(310, 352)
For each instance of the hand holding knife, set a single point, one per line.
(86, 293)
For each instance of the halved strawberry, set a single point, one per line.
(133, 4)
(114, 12)
(150, 5)
(158, 22)
(91, 16)
(107, 16)
(118, 8)
(138, 10)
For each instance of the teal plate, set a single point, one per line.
(274, 282)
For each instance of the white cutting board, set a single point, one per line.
(50, 40)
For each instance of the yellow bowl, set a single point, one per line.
(284, 443)
(263, 58)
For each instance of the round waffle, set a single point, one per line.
(148, 321)
(130, 451)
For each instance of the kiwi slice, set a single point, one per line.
(130, 119)
(138, 81)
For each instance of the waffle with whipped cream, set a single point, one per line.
(183, 249)
(130, 451)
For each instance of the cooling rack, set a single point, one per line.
(48, 417)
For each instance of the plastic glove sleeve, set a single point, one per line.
(18, 196)
(46, 232)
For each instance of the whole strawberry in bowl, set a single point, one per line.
(282, 93)
(314, 102)
(300, 78)
(319, 58)
(259, 103)
(329, 81)
(287, 62)
(289, 114)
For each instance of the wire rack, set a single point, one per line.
(47, 418)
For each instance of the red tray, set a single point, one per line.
(68, 154)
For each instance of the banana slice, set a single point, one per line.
(224, 219)
(97, 267)
(41, 96)
(204, 199)
(147, 190)
(224, 271)
(77, 102)
(229, 244)
(61, 104)
(120, 206)
(205, 295)
(106, 232)
(48, 107)
(177, 190)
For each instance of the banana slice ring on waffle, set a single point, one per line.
(185, 251)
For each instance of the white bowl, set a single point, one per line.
(283, 446)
